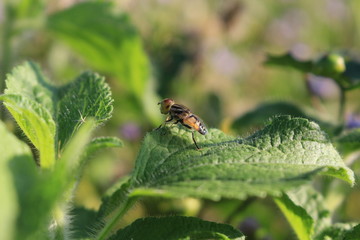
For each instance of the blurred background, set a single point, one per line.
(208, 55)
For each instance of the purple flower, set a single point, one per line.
(130, 131)
(353, 121)
(322, 86)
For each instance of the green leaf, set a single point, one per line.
(304, 210)
(353, 234)
(287, 60)
(50, 115)
(177, 227)
(10, 149)
(352, 73)
(283, 155)
(340, 231)
(102, 142)
(81, 220)
(88, 96)
(76, 146)
(349, 141)
(31, 101)
(262, 113)
(105, 40)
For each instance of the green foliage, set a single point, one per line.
(343, 71)
(349, 141)
(177, 227)
(11, 149)
(287, 60)
(262, 113)
(283, 155)
(87, 96)
(340, 231)
(259, 116)
(107, 41)
(50, 115)
(305, 212)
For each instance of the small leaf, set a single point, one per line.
(283, 155)
(287, 60)
(304, 210)
(102, 142)
(36, 123)
(88, 96)
(177, 227)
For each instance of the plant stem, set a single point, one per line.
(239, 209)
(119, 213)
(341, 116)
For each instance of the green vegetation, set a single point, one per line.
(296, 155)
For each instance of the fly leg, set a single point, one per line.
(193, 138)
(167, 120)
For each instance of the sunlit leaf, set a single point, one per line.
(285, 154)
(31, 101)
(105, 40)
(87, 97)
(50, 115)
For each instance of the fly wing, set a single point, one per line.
(179, 111)
(195, 123)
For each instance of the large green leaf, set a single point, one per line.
(105, 40)
(285, 154)
(177, 227)
(305, 211)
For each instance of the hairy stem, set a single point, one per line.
(117, 215)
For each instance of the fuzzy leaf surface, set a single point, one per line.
(177, 227)
(88, 96)
(285, 154)
(50, 115)
(31, 101)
